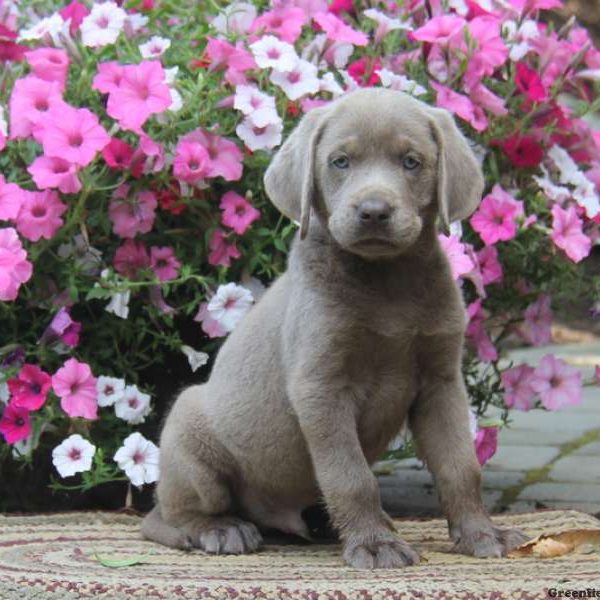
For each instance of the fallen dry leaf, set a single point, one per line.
(550, 545)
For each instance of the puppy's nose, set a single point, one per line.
(374, 211)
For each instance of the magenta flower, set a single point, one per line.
(132, 213)
(495, 219)
(285, 22)
(210, 326)
(63, 328)
(460, 262)
(530, 83)
(75, 11)
(518, 392)
(537, 327)
(439, 30)
(15, 269)
(221, 251)
(557, 384)
(477, 333)
(191, 161)
(567, 233)
(73, 134)
(131, 258)
(40, 215)
(15, 424)
(50, 64)
(55, 172)
(30, 100)
(164, 262)
(238, 213)
(486, 444)
(225, 158)
(141, 92)
(75, 385)
(335, 29)
(11, 199)
(118, 154)
(30, 388)
(108, 78)
(490, 267)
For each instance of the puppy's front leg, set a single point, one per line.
(349, 487)
(440, 424)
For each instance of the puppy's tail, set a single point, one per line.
(157, 530)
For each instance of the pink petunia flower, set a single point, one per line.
(191, 161)
(15, 269)
(495, 219)
(537, 327)
(477, 333)
(62, 328)
(73, 134)
(439, 30)
(50, 64)
(490, 267)
(132, 213)
(460, 262)
(486, 444)
(238, 213)
(76, 12)
(40, 215)
(118, 154)
(30, 388)
(210, 326)
(164, 263)
(338, 31)
(518, 392)
(15, 424)
(236, 59)
(557, 384)
(225, 158)
(460, 105)
(131, 258)
(75, 385)
(567, 233)
(142, 92)
(109, 76)
(55, 172)
(11, 199)
(221, 251)
(30, 100)
(285, 22)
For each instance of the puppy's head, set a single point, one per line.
(374, 165)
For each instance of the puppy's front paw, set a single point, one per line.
(384, 551)
(479, 537)
(227, 535)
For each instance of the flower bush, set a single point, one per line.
(134, 228)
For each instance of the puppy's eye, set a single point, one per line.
(341, 162)
(410, 163)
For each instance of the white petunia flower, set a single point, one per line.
(298, 81)
(322, 52)
(230, 303)
(103, 25)
(558, 193)
(110, 389)
(48, 28)
(248, 98)
(134, 23)
(73, 455)
(329, 84)
(400, 82)
(171, 75)
(156, 46)
(456, 229)
(236, 18)
(22, 447)
(138, 457)
(176, 100)
(4, 393)
(270, 52)
(385, 24)
(119, 304)
(260, 138)
(133, 406)
(195, 358)
(3, 123)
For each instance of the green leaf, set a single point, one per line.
(117, 563)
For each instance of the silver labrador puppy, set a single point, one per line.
(363, 331)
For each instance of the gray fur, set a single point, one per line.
(363, 331)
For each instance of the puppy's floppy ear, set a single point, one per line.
(459, 180)
(290, 178)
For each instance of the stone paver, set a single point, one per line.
(529, 451)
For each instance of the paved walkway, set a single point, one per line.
(544, 459)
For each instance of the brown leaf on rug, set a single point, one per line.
(550, 545)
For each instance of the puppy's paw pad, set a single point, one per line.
(388, 553)
(228, 537)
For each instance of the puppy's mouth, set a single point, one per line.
(374, 247)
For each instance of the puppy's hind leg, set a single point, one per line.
(194, 511)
